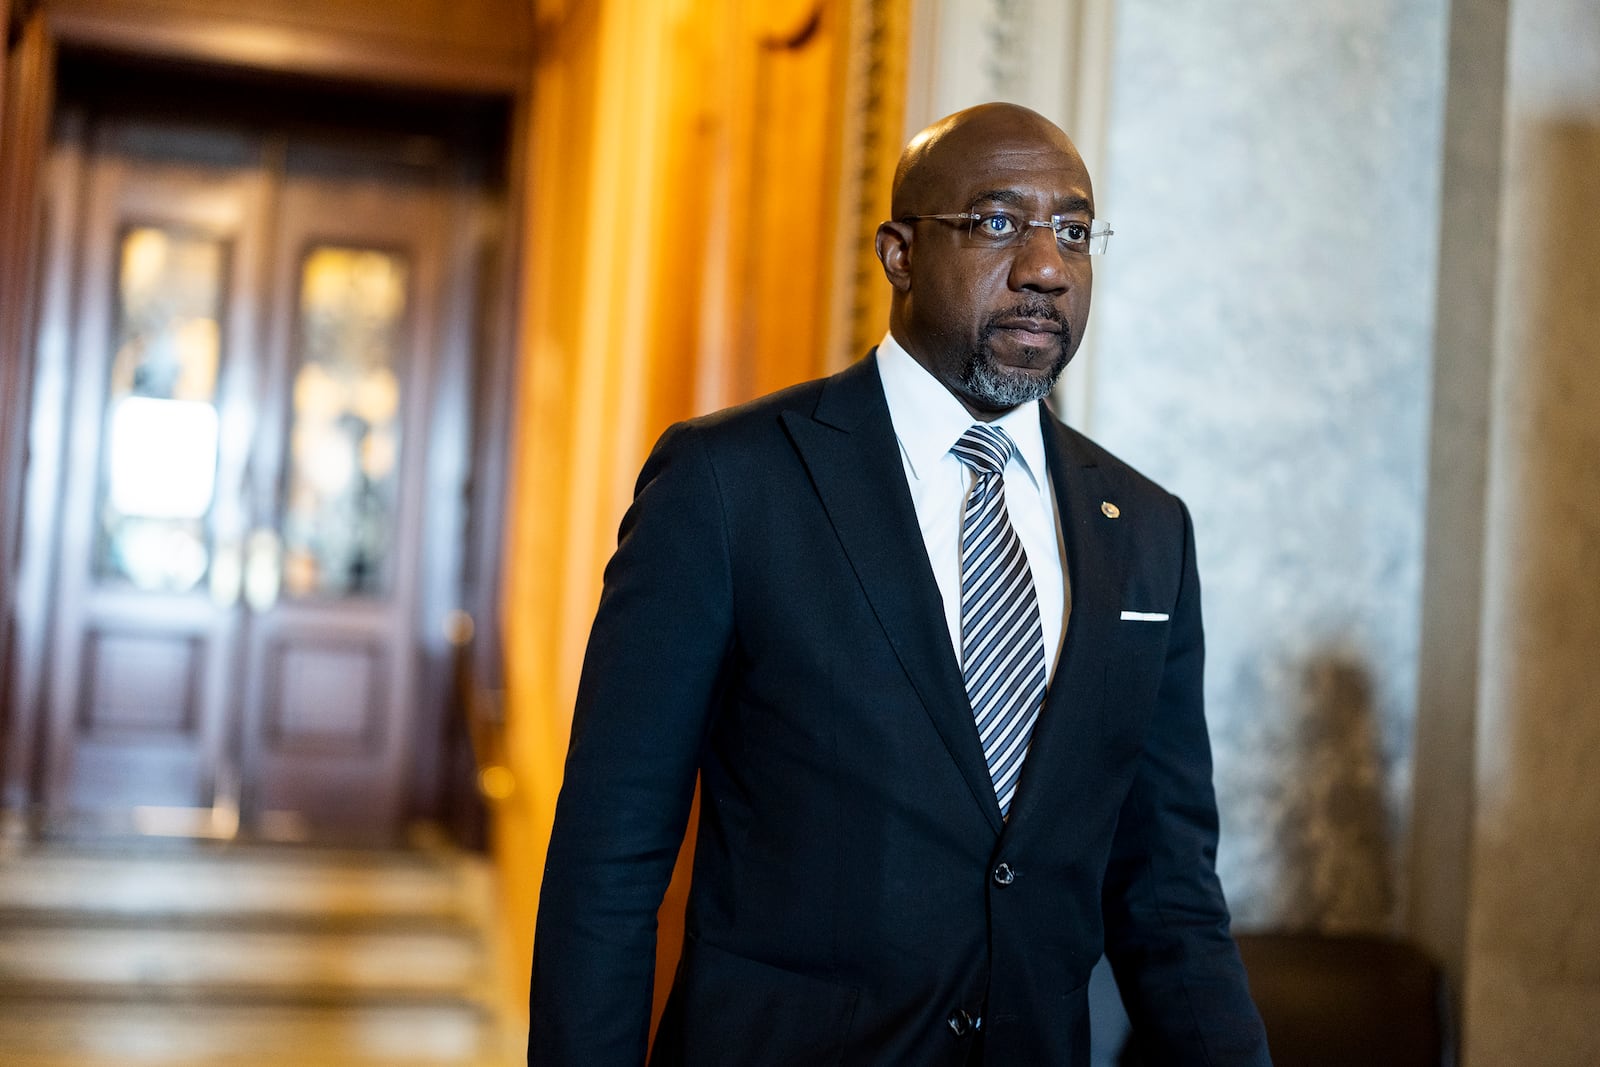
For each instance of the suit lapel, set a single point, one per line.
(1065, 739)
(849, 447)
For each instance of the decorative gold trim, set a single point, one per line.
(875, 81)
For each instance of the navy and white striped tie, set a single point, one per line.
(1002, 641)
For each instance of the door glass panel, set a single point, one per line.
(158, 471)
(344, 441)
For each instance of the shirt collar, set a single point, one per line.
(929, 420)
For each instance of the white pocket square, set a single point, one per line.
(1144, 616)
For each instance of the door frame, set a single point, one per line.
(27, 83)
(444, 783)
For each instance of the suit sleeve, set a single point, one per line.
(1167, 933)
(649, 684)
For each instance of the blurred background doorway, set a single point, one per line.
(256, 512)
(258, 318)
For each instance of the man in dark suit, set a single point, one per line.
(936, 660)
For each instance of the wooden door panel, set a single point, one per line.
(252, 655)
(138, 673)
(140, 683)
(327, 729)
(139, 720)
(330, 715)
(325, 698)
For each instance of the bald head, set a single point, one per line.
(934, 159)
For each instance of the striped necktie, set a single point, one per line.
(1002, 642)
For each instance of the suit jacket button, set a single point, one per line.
(959, 1022)
(1004, 875)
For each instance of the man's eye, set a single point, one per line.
(1073, 232)
(996, 224)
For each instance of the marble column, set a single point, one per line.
(1533, 929)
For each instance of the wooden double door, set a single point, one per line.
(247, 481)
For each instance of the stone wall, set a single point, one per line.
(1265, 321)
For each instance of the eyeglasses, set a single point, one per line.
(1007, 229)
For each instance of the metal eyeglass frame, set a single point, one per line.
(1095, 242)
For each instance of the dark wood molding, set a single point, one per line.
(497, 402)
(9, 520)
(24, 127)
(491, 55)
(14, 15)
(474, 741)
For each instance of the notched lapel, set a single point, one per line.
(849, 448)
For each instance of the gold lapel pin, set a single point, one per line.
(1109, 510)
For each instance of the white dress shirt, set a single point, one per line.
(928, 420)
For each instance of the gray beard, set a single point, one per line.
(993, 383)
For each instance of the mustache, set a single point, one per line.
(1041, 308)
(1028, 309)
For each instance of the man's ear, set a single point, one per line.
(893, 245)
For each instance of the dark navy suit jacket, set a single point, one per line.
(771, 623)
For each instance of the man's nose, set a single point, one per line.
(1039, 263)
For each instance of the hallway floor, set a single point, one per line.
(243, 956)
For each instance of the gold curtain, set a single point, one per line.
(702, 174)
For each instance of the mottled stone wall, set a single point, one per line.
(1265, 326)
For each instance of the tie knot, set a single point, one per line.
(984, 448)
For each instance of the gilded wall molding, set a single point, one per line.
(870, 140)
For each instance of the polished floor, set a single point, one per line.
(242, 956)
